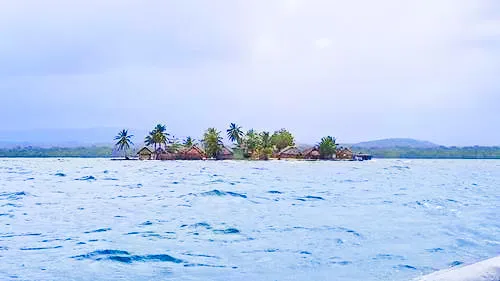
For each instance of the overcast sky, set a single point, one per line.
(357, 70)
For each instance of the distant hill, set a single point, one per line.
(396, 142)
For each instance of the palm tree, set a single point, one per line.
(213, 142)
(188, 142)
(160, 135)
(123, 142)
(327, 147)
(252, 140)
(174, 145)
(160, 128)
(266, 147)
(266, 139)
(234, 133)
(148, 140)
(151, 139)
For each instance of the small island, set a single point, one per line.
(252, 145)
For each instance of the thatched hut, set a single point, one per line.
(225, 154)
(166, 155)
(162, 154)
(290, 152)
(145, 153)
(192, 153)
(344, 154)
(311, 153)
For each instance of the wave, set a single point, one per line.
(86, 178)
(125, 257)
(217, 192)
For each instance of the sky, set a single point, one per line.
(358, 70)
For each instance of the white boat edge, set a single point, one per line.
(487, 270)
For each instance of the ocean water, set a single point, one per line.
(96, 219)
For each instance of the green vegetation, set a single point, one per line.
(281, 139)
(443, 152)
(124, 141)
(157, 136)
(234, 133)
(258, 145)
(188, 142)
(212, 142)
(327, 147)
(473, 152)
(251, 143)
(174, 145)
(87, 152)
(265, 148)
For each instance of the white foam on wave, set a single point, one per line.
(487, 270)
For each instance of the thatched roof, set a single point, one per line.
(145, 150)
(290, 150)
(344, 153)
(194, 149)
(344, 149)
(311, 150)
(311, 153)
(226, 151)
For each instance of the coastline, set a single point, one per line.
(492, 152)
(111, 158)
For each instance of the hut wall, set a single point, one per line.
(192, 156)
(290, 156)
(312, 154)
(145, 156)
(344, 154)
(225, 154)
(224, 157)
(166, 156)
(290, 153)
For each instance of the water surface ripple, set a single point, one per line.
(96, 219)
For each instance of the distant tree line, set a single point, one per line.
(474, 152)
(246, 145)
(29, 151)
(443, 152)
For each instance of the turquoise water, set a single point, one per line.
(96, 219)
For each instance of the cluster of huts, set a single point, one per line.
(292, 152)
(190, 153)
(343, 153)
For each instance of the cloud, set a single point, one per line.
(355, 69)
